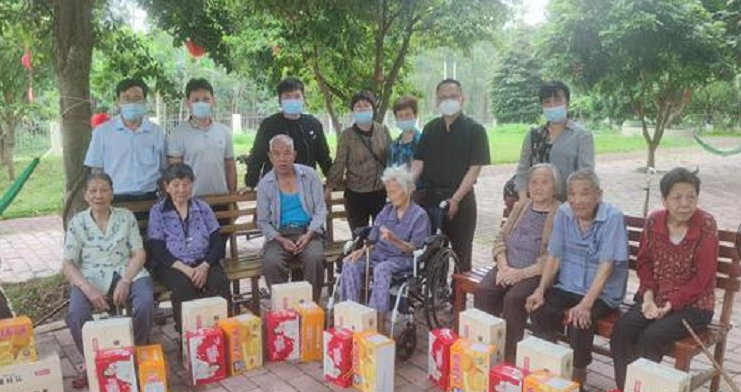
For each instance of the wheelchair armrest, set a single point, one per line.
(361, 233)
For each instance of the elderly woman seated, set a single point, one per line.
(103, 260)
(398, 230)
(677, 261)
(186, 246)
(520, 249)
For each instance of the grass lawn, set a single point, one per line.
(42, 194)
(37, 297)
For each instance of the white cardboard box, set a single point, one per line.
(289, 295)
(201, 313)
(537, 354)
(481, 327)
(44, 375)
(648, 376)
(355, 317)
(104, 334)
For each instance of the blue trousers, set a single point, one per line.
(352, 281)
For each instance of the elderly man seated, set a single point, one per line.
(291, 213)
(586, 269)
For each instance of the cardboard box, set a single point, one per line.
(338, 353)
(207, 356)
(438, 356)
(44, 375)
(354, 316)
(647, 376)
(105, 334)
(375, 362)
(283, 335)
(481, 327)
(17, 341)
(506, 378)
(536, 354)
(470, 366)
(312, 328)
(116, 370)
(290, 295)
(243, 335)
(152, 369)
(534, 381)
(201, 313)
(558, 384)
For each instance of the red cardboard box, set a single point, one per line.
(283, 335)
(506, 378)
(207, 355)
(338, 344)
(438, 354)
(116, 371)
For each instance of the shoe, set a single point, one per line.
(80, 382)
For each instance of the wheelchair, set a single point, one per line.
(426, 288)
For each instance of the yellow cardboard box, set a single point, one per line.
(534, 381)
(312, 329)
(152, 370)
(243, 342)
(470, 365)
(374, 370)
(16, 341)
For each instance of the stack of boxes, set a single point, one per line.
(100, 336)
(21, 368)
(204, 354)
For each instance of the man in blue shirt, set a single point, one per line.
(586, 272)
(129, 147)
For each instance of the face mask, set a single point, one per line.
(406, 125)
(201, 109)
(449, 107)
(555, 114)
(363, 117)
(292, 107)
(132, 111)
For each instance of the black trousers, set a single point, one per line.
(461, 228)
(363, 207)
(635, 336)
(548, 321)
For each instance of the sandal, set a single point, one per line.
(80, 382)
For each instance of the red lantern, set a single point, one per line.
(193, 49)
(27, 60)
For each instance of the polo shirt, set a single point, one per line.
(447, 155)
(133, 159)
(204, 150)
(581, 253)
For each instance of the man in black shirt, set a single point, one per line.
(448, 160)
(305, 130)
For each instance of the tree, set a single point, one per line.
(515, 83)
(653, 51)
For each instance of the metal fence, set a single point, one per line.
(32, 141)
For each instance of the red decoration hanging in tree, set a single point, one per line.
(27, 60)
(276, 50)
(193, 49)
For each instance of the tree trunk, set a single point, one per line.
(73, 43)
(7, 144)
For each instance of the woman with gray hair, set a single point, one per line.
(399, 229)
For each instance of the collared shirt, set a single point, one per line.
(413, 227)
(581, 253)
(99, 255)
(401, 153)
(204, 150)
(133, 159)
(310, 191)
(189, 240)
(361, 159)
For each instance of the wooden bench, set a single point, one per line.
(727, 284)
(240, 210)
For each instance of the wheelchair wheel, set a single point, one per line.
(438, 290)
(406, 342)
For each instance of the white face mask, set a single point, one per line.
(449, 107)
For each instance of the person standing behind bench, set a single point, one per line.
(448, 161)
(677, 263)
(291, 214)
(586, 270)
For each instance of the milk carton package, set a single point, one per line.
(438, 356)
(338, 356)
(152, 370)
(536, 354)
(312, 329)
(506, 378)
(470, 366)
(356, 317)
(647, 376)
(17, 341)
(374, 369)
(243, 335)
(105, 334)
(283, 335)
(481, 327)
(45, 374)
(207, 355)
(558, 384)
(289, 295)
(116, 370)
(201, 313)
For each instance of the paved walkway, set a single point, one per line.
(32, 247)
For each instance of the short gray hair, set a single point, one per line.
(401, 175)
(281, 138)
(585, 175)
(555, 175)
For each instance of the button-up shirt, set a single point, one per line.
(412, 227)
(99, 255)
(581, 253)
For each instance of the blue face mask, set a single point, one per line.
(406, 125)
(201, 109)
(292, 107)
(132, 111)
(363, 117)
(555, 114)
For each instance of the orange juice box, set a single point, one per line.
(481, 327)
(338, 348)
(45, 374)
(201, 313)
(289, 295)
(506, 378)
(116, 370)
(312, 328)
(558, 384)
(438, 356)
(99, 335)
(207, 355)
(536, 354)
(648, 376)
(534, 381)
(375, 362)
(470, 365)
(16, 341)
(283, 336)
(152, 371)
(356, 317)
(243, 335)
